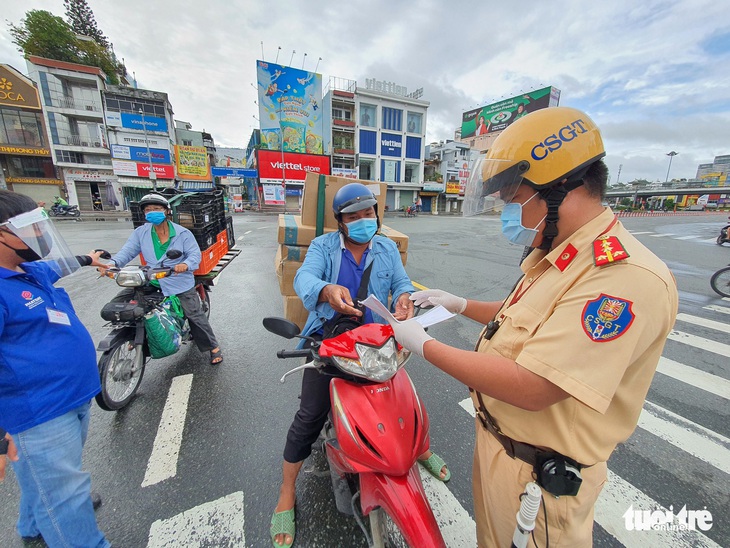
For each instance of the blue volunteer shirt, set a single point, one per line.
(46, 368)
(351, 276)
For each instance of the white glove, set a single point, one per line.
(411, 335)
(435, 297)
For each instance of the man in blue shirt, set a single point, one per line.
(153, 240)
(327, 282)
(48, 375)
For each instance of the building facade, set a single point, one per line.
(716, 172)
(448, 166)
(26, 164)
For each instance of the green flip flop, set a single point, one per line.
(434, 464)
(283, 523)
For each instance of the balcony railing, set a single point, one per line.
(75, 104)
(80, 141)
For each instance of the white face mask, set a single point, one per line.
(512, 226)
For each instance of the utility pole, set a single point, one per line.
(671, 155)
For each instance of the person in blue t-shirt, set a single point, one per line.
(327, 282)
(48, 375)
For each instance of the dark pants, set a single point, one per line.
(309, 420)
(200, 327)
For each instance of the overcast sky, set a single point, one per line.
(653, 74)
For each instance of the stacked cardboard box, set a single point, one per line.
(297, 231)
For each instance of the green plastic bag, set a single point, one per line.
(163, 333)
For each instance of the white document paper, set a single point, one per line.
(436, 315)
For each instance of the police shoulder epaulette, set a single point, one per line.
(607, 250)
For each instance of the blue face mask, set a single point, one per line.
(155, 217)
(362, 230)
(512, 226)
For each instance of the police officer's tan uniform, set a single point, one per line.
(597, 332)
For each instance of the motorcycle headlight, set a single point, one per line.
(131, 278)
(375, 363)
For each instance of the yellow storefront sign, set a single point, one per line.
(33, 181)
(24, 151)
(192, 163)
(452, 188)
(16, 90)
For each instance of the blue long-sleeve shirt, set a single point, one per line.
(321, 267)
(141, 242)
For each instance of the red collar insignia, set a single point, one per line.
(566, 257)
(607, 250)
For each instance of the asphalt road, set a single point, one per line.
(223, 476)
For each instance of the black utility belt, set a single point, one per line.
(557, 474)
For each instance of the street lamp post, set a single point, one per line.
(153, 175)
(671, 155)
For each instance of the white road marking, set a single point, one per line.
(240, 238)
(661, 235)
(695, 377)
(710, 241)
(685, 237)
(716, 308)
(162, 464)
(635, 233)
(260, 228)
(700, 342)
(216, 523)
(616, 498)
(692, 438)
(455, 523)
(704, 322)
(248, 232)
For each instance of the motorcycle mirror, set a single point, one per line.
(282, 327)
(173, 254)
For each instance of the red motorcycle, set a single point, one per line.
(377, 429)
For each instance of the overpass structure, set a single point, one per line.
(679, 190)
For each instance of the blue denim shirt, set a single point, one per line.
(141, 242)
(321, 267)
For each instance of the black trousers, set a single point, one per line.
(309, 420)
(200, 327)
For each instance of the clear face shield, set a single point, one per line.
(44, 242)
(492, 184)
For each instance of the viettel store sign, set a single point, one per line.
(16, 90)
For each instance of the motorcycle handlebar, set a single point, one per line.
(302, 353)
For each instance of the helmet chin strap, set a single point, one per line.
(554, 197)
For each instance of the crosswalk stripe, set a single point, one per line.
(717, 308)
(692, 438)
(455, 523)
(695, 377)
(617, 496)
(704, 322)
(635, 233)
(661, 235)
(166, 448)
(709, 241)
(685, 237)
(700, 342)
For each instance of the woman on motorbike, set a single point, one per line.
(153, 240)
(327, 281)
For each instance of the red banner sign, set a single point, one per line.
(273, 166)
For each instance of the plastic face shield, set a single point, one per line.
(492, 184)
(37, 232)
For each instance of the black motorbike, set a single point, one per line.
(125, 352)
(58, 210)
(724, 234)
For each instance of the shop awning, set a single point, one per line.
(196, 185)
(142, 182)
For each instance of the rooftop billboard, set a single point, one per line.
(289, 108)
(497, 116)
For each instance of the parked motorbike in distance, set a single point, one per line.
(377, 428)
(124, 350)
(724, 234)
(58, 210)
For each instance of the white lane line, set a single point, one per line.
(704, 322)
(260, 228)
(709, 241)
(635, 233)
(695, 377)
(692, 438)
(716, 308)
(216, 523)
(240, 238)
(685, 237)
(163, 460)
(700, 342)
(455, 523)
(248, 232)
(618, 496)
(661, 235)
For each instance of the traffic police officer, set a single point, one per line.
(563, 365)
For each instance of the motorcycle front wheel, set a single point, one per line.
(51, 212)
(120, 370)
(384, 532)
(76, 213)
(720, 282)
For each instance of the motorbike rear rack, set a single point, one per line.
(209, 278)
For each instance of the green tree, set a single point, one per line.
(81, 19)
(94, 54)
(43, 34)
(669, 203)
